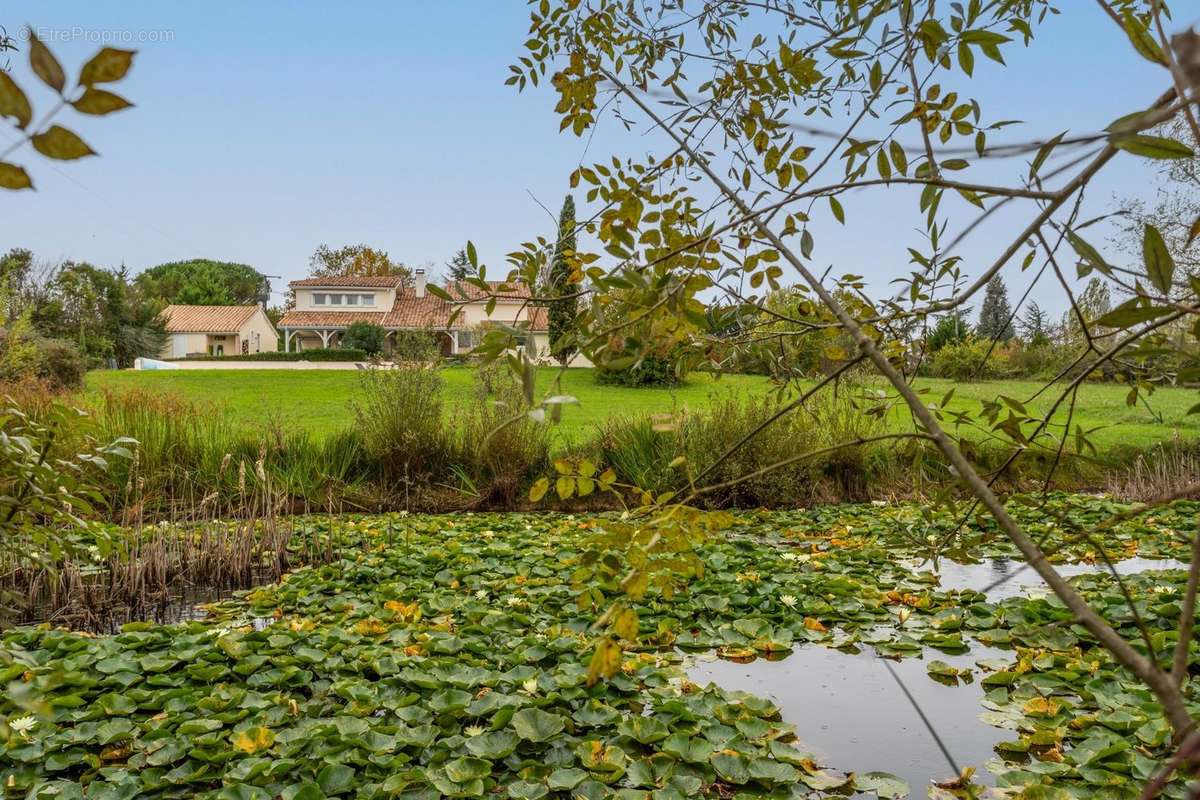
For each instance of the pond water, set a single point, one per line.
(849, 710)
(1002, 577)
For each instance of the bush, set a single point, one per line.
(25, 356)
(498, 448)
(365, 336)
(399, 415)
(332, 354)
(414, 346)
(969, 359)
(651, 371)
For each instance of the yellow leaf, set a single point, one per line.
(606, 660)
(625, 624)
(814, 624)
(539, 489)
(565, 486)
(253, 740)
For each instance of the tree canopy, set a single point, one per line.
(203, 281)
(354, 259)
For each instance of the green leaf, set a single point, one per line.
(464, 769)
(732, 768)
(1141, 39)
(883, 785)
(539, 489)
(109, 65)
(1091, 258)
(1141, 144)
(335, 778)
(1128, 315)
(493, 744)
(836, 207)
(14, 177)
(535, 725)
(13, 102)
(45, 65)
(565, 779)
(99, 102)
(1160, 267)
(59, 143)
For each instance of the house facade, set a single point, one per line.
(325, 307)
(217, 331)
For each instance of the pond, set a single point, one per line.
(848, 706)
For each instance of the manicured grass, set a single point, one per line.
(319, 400)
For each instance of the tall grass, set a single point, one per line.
(641, 449)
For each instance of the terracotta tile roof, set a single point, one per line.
(466, 291)
(410, 311)
(206, 319)
(365, 281)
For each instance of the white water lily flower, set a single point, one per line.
(473, 730)
(481, 594)
(530, 685)
(879, 502)
(789, 556)
(788, 600)
(22, 725)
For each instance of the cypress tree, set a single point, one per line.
(563, 310)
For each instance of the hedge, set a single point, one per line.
(332, 354)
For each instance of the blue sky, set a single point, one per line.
(264, 129)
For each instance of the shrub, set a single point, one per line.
(651, 371)
(414, 346)
(332, 354)
(498, 448)
(365, 336)
(640, 453)
(24, 355)
(970, 359)
(398, 412)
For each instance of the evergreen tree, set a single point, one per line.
(563, 311)
(1035, 325)
(460, 266)
(995, 315)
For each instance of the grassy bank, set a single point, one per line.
(318, 401)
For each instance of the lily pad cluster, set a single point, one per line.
(448, 657)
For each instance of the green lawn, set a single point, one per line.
(320, 399)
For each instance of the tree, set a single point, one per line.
(995, 315)
(1173, 208)
(1035, 325)
(205, 282)
(459, 267)
(738, 188)
(355, 259)
(365, 336)
(949, 329)
(562, 286)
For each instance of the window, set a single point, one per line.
(368, 299)
(335, 299)
(319, 299)
(467, 340)
(351, 299)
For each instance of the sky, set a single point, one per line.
(262, 130)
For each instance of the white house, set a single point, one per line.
(325, 307)
(217, 331)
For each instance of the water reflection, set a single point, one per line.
(848, 710)
(1003, 577)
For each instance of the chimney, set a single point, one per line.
(420, 286)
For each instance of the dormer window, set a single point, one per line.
(351, 299)
(368, 299)
(319, 299)
(335, 299)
